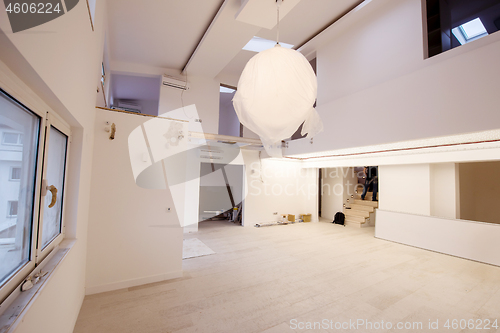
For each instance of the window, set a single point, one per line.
(226, 90)
(229, 124)
(12, 138)
(103, 74)
(18, 219)
(452, 23)
(12, 210)
(473, 29)
(54, 176)
(470, 31)
(31, 217)
(15, 173)
(91, 7)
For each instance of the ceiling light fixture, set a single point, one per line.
(258, 44)
(276, 93)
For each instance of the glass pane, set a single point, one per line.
(56, 161)
(18, 153)
(474, 28)
(11, 138)
(16, 174)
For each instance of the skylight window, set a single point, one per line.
(257, 44)
(470, 31)
(226, 90)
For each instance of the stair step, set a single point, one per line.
(358, 215)
(366, 203)
(366, 208)
(359, 192)
(354, 217)
(354, 212)
(353, 223)
(358, 188)
(367, 197)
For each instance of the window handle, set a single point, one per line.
(52, 190)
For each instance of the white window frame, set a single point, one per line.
(18, 276)
(37, 255)
(52, 121)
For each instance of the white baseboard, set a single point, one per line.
(132, 283)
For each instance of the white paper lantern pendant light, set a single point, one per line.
(276, 93)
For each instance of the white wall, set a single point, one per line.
(284, 188)
(150, 107)
(405, 188)
(465, 239)
(59, 63)
(445, 195)
(374, 70)
(338, 186)
(204, 93)
(350, 183)
(190, 203)
(435, 190)
(332, 189)
(134, 239)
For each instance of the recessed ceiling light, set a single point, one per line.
(226, 90)
(257, 44)
(470, 31)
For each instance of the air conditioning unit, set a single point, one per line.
(173, 82)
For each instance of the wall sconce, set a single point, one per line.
(111, 129)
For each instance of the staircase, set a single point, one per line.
(362, 212)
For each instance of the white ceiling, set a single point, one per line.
(159, 33)
(165, 33)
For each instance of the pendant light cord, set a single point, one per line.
(278, 3)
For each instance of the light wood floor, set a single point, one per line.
(262, 278)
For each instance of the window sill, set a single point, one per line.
(13, 308)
